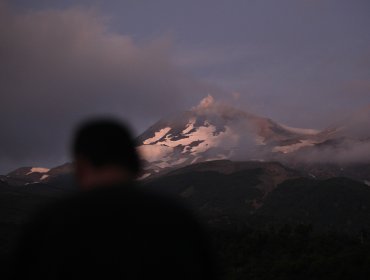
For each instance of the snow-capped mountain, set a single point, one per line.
(212, 131)
(31, 175)
(34, 172)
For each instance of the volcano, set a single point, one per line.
(214, 131)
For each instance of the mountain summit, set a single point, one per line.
(213, 130)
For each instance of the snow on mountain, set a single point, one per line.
(213, 130)
(38, 170)
(43, 177)
(294, 147)
(158, 135)
(29, 175)
(303, 131)
(216, 131)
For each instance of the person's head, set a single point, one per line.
(104, 153)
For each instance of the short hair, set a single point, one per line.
(106, 142)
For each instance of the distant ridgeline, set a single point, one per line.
(226, 194)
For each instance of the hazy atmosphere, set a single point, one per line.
(303, 63)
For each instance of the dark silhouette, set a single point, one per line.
(113, 228)
(105, 154)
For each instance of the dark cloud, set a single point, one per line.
(60, 66)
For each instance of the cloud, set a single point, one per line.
(60, 66)
(347, 153)
(350, 145)
(358, 88)
(211, 56)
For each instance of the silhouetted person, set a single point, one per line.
(112, 229)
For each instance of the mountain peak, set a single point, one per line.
(214, 130)
(209, 107)
(206, 103)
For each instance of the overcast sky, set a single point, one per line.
(304, 63)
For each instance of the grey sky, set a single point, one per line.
(301, 62)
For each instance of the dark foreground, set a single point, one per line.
(292, 252)
(297, 228)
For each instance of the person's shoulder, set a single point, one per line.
(130, 202)
(149, 205)
(151, 200)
